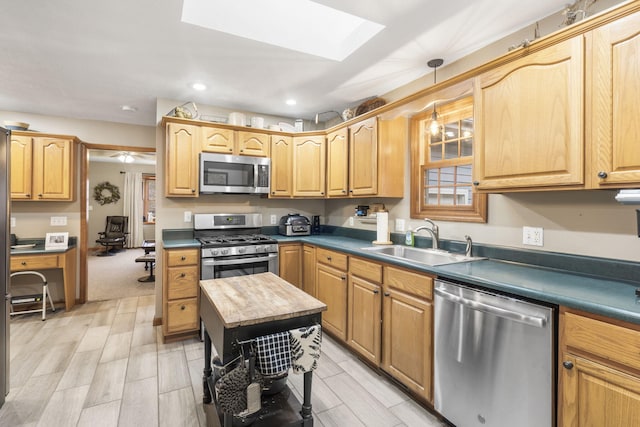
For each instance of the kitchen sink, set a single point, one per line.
(423, 256)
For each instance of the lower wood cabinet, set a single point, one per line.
(365, 308)
(290, 263)
(309, 269)
(599, 372)
(180, 292)
(408, 329)
(331, 289)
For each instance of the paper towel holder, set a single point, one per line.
(382, 228)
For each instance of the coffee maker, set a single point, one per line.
(315, 224)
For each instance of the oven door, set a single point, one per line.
(241, 265)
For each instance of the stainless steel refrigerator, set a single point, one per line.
(4, 265)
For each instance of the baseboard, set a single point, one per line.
(157, 321)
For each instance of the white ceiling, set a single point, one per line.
(85, 59)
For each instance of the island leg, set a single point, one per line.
(307, 416)
(206, 395)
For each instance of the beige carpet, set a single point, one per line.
(113, 277)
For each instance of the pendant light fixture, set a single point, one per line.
(435, 126)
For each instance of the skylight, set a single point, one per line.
(299, 25)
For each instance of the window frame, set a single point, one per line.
(477, 210)
(146, 180)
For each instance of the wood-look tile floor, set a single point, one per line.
(104, 364)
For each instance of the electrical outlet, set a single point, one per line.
(187, 216)
(274, 220)
(351, 221)
(58, 220)
(533, 236)
(13, 221)
(400, 225)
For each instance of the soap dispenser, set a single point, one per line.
(408, 238)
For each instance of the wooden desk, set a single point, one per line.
(240, 308)
(45, 260)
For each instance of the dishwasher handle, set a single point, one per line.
(538, 322)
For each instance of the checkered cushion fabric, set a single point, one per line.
(274, 353)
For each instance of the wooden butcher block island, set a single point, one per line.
(236, 310)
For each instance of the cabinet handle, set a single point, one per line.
(350, 191)
(193, 190)
(23, 263)
(344, 191)
(376, 292)
(28, 195)
(386, 294)
(182, 274)
(273, 192)
(183, 307)
(602, 174)
(328, 258)
(476, 183)
(322, 193)
(344, 277)
(242, 151)
(40, 196)
(567, 364)
(182, 258)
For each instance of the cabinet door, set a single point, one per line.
(338, 163)
(21, 158)
(331, 287)
(281, 166)
(615, 66)
(529, 121)
(52, 168)
(365, 315)
(363, 158)
(309, 166)
(290, 263)
(407, 329)
(217, 140)
(309, 269)
(593, 394)
(181, 160)
(182, 315)
(253, 144)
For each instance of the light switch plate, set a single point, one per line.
(400, 225)
(273, 219)
(13, 221)
(187, 216)
(58, 221)
(351, 221)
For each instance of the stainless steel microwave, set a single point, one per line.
(223, 173)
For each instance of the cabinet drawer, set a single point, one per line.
(182, 315)
(34, 262)
(612, 342)
(417, 284)
(182, 257)
(366, 269)
(182, 282)
(334, 259)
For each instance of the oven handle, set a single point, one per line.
(213, 261)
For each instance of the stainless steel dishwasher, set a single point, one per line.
(494, 362)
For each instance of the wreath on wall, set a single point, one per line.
(106, 193)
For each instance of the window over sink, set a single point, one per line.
(441, 165)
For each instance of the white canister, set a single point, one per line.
(237, 119)
(257, 122)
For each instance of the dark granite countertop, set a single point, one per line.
(39, 247)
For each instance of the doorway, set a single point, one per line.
(116, 275)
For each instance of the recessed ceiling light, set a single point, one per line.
(291, 102)
(129, 108)
(292, 24)
(199, 86)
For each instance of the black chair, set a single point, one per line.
(114, 236)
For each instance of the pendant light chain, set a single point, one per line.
(435, 126)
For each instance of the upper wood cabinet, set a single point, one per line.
(613, 94)
(309, 158)
(529, 120)
(253, 143)
(367, 159)
(42, 167)
(217, 140)
(181, 160)
(337, 163)
(281, 166)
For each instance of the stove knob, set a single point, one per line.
(242, 250)
(215, 252)
(225, 251)
(259, 249)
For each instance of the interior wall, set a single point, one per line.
(101, 172)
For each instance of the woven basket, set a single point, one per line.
(369, 105)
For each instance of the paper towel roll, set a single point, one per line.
(382, 228)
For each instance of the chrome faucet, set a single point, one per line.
(467, 250)
(435, 239)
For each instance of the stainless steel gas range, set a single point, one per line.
(233, 246)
